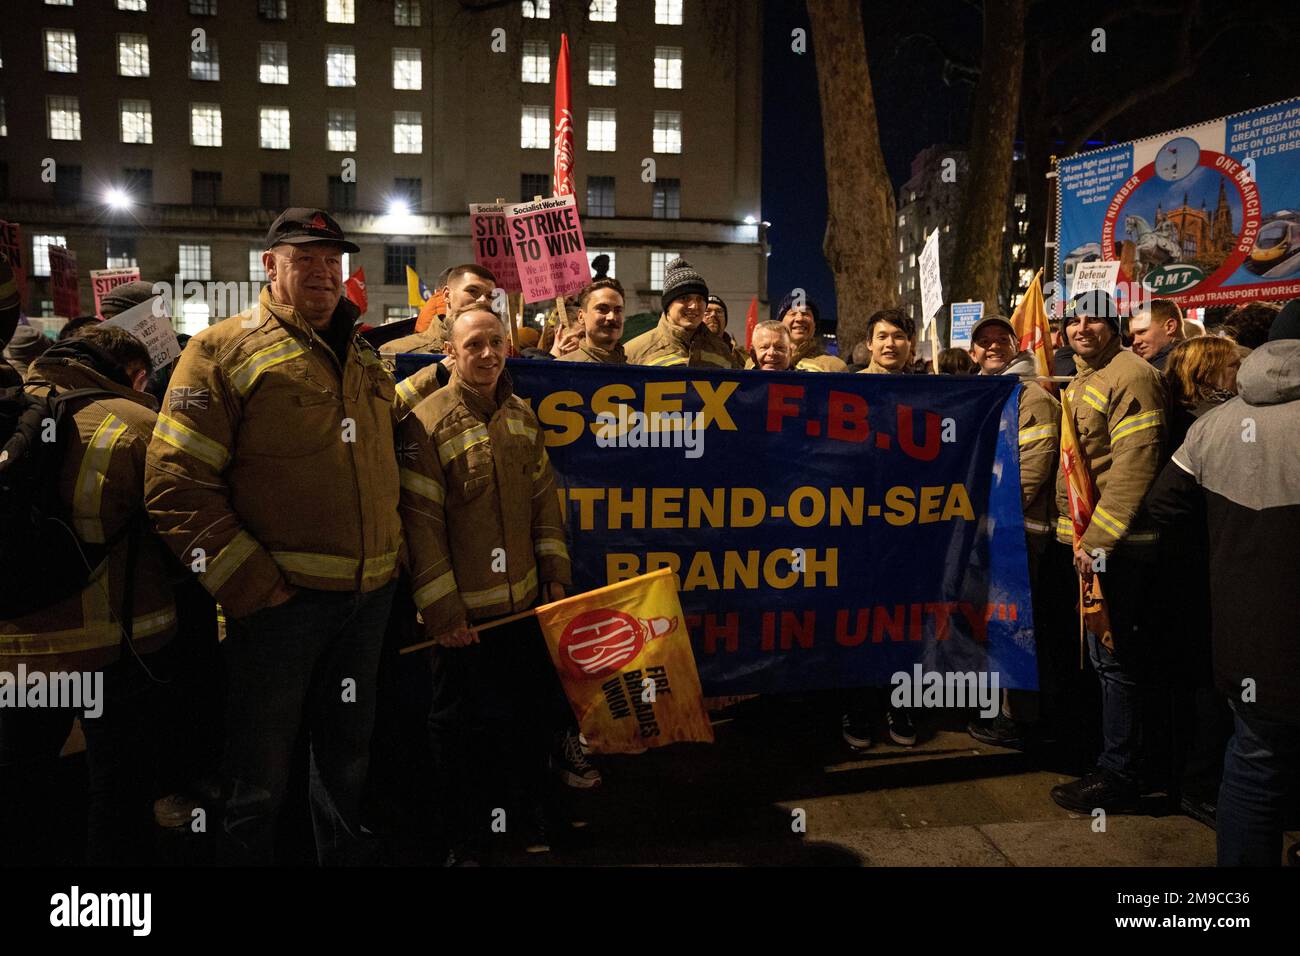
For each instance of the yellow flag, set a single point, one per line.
(416, 292)
(625, 660)
(1032, 329)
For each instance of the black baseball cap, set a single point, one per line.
(299, 226)
(993, 320)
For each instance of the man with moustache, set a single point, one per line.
(771, 348)
(799, 314)
(681, 337)
(486, 539)
(600, 314)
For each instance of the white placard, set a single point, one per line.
(1099, 276)
(150, 323)
(931, 285)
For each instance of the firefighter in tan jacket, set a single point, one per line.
(800, 314)
(465, 285)
(100, 482)
(600, 313)
(486, 538)
(1117, 403)
(681, 337)
(273, 475)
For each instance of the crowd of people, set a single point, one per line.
(279, 480)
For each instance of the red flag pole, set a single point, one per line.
(562, 175)
(751, 320)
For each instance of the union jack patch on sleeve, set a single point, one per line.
(183, 397)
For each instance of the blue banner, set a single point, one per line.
(1205, 215)
(828, 530)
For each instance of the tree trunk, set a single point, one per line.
(860, 245)
(978, 266)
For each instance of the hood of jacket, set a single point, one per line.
(1021, 364)
(77, 363)
(1270, 375)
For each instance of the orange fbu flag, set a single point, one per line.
(626, 664)
(1078, 486)
(1030, 322)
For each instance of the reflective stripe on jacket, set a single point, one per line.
(101, 483)
(271, 463)
(667, 345)
(1040, 450)
(479, 504)
(1119, 407)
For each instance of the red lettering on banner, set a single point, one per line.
(859, 634)
(769, 631)
(884, 622)
(797, 627)
(928, 450)
(848, 417)
(977, 616)
(778, 409)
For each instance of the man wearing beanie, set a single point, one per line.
(1116, 405)
(681, 337)
(715, 317)
(800, 315)
(27, 345)
(125, 296)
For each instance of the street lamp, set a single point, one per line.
(398, 207)
(117, 198)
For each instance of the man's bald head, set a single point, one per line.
(458, 320)
(477, 348)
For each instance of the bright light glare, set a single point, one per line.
(117, 198)
(397, 207)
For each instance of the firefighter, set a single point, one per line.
(600, 314)
(681, 337)
(486, 538)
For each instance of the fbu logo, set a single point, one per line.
(600, 642)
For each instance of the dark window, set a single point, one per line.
(275, 191)
(203, 8)
(119, 253)
(343, 196)
(396, 259)
(138, 184)
(407, 190)
(273, 9)
(205, 188)
(4, 181)
(667, 199)
(600, 196)
(406, 13)
(533, 184)
(67, 184)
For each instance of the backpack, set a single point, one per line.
(42, 559)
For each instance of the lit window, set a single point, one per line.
(63, 117)
(902, 220)
(613, 260)
(537, 62)
(60, 51)
(602, 131)
(194, 318)
(205, 124)
(340, 66)
(4, 123)
(41, 252)
(204, 64)
(58, 3)
(195, 261)
(341, 131)
(535, 128)
(132, 54)
(408, 131)
(406, 13)
(340, 11)
(668, 68)
(133, 6)
(601, 69)
(274, 127)
(668, 13)
(406, 69)
(136, 118)
(396, 313)
(602, 11)
(273, 62)
(256, 271)
(668, 131)
(537, 9)
(658, 262)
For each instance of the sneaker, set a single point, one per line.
(1099, 789)
(174, 811)
(1000, 731)
(537, 838)
(856, 731)
(901, 729)
(570, 764)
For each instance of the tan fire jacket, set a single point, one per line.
(482, 518)
(590, 353)
(1040, 450)
(272, 463)
(415, 388)
(666, 344)
(811, 357)
(100, 484)
(1119, 407)
(431, 340)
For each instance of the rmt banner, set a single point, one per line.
(549, 249)
(1205, 215)
(827, 530)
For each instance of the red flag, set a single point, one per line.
(1082, 498)
(563, 175)
(751, 320)
(355, 289)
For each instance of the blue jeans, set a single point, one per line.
(1260, 770)
(1121, 712)
(307, 665)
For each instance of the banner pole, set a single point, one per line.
(509, 619)
(1081, 639)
